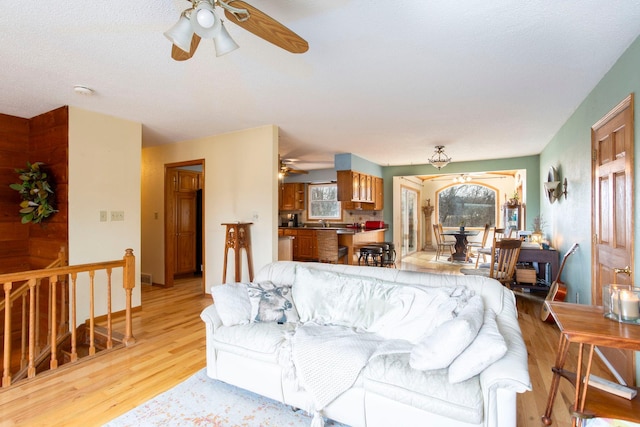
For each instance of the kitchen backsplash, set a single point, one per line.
(348, 217)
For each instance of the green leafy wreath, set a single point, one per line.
(36, 193)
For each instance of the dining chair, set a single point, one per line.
(477, 245)
(441, 244)
(485, 251)
(443, 236)
(328, 249)
(504, 253)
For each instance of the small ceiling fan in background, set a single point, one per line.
(286, 169)
(202, 21)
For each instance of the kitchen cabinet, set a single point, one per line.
(360, 191)
(305, 247)
(378, 193)
(348, 183)
(291, 196)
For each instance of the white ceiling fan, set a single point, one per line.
(201, 21)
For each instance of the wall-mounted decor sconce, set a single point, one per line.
(551, 186)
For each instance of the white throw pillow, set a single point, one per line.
(330, 298)
(232, 303)
(488, 347)
(439, 349)
(271, 303)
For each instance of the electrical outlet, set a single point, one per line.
(117, 215)
(103, 216)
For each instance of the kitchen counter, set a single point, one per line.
(340, 230)
(352, 238)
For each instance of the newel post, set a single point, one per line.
(128, 283)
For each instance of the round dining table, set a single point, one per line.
(461, 242)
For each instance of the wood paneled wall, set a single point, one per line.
(49, 143)
(43, 138)
(14, 237)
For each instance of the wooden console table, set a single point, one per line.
(549, 257)
(237, 238)
(585, 324)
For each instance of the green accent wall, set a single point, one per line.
(570, 152)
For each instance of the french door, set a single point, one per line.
(409, 221)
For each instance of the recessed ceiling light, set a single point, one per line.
(83, 90)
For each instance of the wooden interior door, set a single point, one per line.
(185, 256)
(612, 205)
(180, 207)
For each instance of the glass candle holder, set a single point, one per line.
(621, 303)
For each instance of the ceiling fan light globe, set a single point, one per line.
(223, 42)
(181, 33)
(206, 23)
(205, 18)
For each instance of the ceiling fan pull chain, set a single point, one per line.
(241, 14)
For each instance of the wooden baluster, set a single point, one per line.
(49, 314)
(23, 333)
(63, 304)
(53, 280)
(6, 365)
(38, 342)
(92, 346)
(128, 283)
(109, 342)
(72, 304)
(31, 368)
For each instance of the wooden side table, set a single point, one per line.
(237, 238)
(586, 325)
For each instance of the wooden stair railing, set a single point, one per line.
(57, 276)
(21, 293)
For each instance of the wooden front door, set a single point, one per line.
(612, 183)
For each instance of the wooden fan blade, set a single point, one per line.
(267, 28)
(180, 55)
(299, 171)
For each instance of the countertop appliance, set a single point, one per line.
(293, 220)
(373, 225)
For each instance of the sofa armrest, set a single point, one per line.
(512, 370)
(212, 322)
(211, 318)
(510, 375)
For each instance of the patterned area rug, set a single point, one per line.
(201, 401)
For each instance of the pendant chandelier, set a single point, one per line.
(439, 158)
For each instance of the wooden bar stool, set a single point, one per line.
(237, 238)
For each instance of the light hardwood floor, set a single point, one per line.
(170, 347)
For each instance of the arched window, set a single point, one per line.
(471, 205)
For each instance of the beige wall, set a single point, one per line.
(104, 174)
(240, 185)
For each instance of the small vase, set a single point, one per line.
(462, 229)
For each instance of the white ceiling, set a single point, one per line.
(385, 80)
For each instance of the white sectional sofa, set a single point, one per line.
(369, 346)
